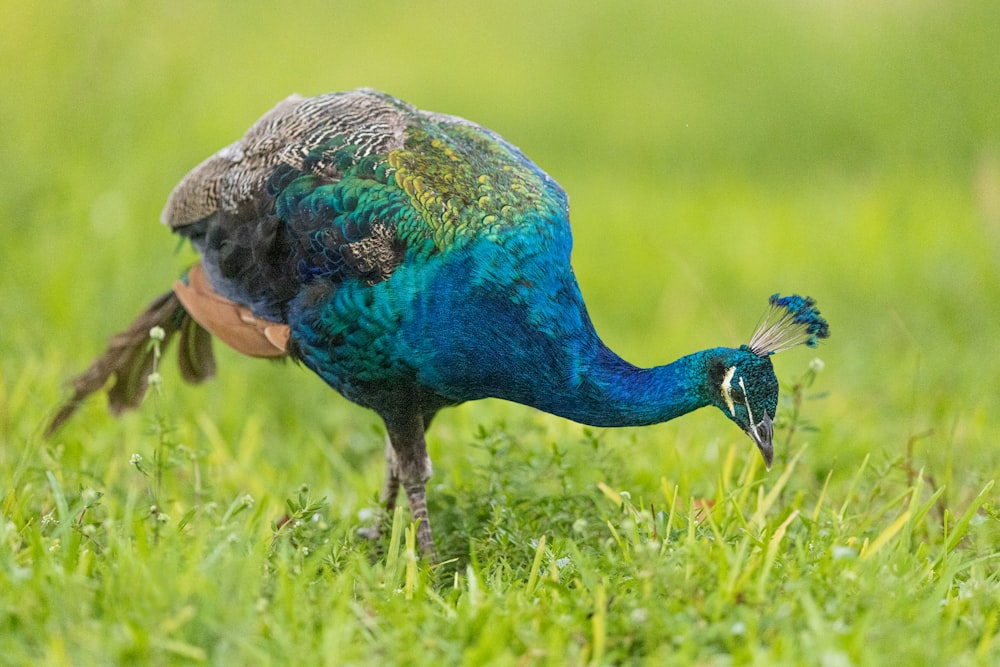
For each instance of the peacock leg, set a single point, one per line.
(390, 493)
(417, 495)
(413, 468)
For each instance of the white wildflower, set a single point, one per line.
(841, 552)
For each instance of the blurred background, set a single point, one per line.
(714, 153)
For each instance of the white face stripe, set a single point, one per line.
(746, 402)
(727, 389)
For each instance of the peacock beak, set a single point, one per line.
(763, 436)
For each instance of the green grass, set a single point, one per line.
(714, 154)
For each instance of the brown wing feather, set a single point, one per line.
(129, 359)
(228, 321)
(232, 181)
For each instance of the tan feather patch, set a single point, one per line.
(228, 321)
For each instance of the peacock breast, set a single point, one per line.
(476, 320)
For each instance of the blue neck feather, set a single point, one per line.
(613, 392)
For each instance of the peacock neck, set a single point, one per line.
(527, 337)
(609, 391)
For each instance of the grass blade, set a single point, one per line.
(958, 532)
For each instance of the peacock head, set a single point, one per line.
(742, 380)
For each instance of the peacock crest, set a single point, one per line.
(790, 321)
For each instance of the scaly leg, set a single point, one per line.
(390, 493)
(413, 469)
(418, 508)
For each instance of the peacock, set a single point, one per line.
(414, 261)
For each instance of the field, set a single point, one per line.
(714, 154)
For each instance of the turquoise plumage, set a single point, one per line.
(415, 261)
